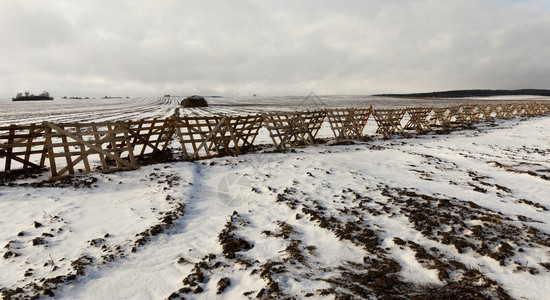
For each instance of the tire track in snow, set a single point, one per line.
(159, 262)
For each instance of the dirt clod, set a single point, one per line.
(223, 284)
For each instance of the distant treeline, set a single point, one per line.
(472, 93)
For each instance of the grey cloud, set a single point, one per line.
(275, 47)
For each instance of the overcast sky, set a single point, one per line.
(156, 47)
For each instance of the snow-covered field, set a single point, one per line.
(118, 109)
(458, 215)
(85, 110)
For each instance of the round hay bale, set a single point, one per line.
(194, 101)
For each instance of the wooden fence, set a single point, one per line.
(214, 136)
(70, 144)
(348, 124)
(418, 119)
(18, 143)
(149, 136)
(78, 148)
(389, 121)
(294, 128)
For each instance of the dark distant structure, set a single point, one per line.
(194, 101)
(472, 93)
(31, 97)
